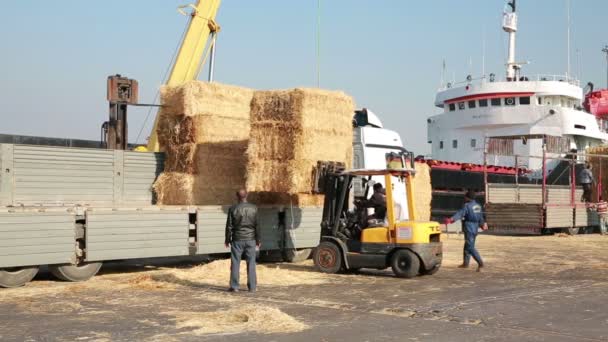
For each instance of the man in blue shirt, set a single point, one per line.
(472, 216)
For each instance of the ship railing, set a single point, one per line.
(522, 78)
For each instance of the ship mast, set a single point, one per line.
(509, 25)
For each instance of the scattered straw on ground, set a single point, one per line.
(248, 318)
(217, 273)
(147, 282)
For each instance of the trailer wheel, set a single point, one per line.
(570, 231)
(295, 255)
(17, 276)
(327, 257)
(75, 273)
(405, 263)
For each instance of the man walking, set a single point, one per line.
(472, 217)
(243, 236)
(586, 180)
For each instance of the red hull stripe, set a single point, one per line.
(486, 96)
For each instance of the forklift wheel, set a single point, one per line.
(327, 257)
(405, 263)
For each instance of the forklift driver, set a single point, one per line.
(378, 202)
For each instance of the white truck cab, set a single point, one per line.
(371, 144)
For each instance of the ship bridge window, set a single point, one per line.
(473, 143)
(495, 102)
(483, 103)
(580, 127)
(452, 107)
(472, 104)
(461, 105)
(510, 101)
(441, 145)
(540, 100)
(525, 100)
(454, 143)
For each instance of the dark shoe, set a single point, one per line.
(479, 268)
(233, 290)
(463, 266)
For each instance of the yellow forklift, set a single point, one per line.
(351, 241)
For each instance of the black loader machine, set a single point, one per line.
(351, 239)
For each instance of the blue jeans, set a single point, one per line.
(469, 249)
(238, 250)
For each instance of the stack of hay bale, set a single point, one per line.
(423, 192)
(290, 131)
(599, 166)
(203, 129)
(220, 138)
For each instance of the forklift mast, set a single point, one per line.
(122, 92)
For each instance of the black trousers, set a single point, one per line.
(587, 193)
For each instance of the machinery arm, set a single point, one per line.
(193, 50)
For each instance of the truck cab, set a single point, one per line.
(371, 145)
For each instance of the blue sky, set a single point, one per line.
(387, 54)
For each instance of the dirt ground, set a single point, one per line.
(549, 288)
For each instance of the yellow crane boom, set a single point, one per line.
(193, 50)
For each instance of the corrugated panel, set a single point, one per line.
(559, 217)
(36, 238)
(585, 218)
(303, 227)
(268, 219)
(140, 173)
(501, 194)
(530, 195)
(211, 225)
(129, 234)
(62, 176)
(499, 215)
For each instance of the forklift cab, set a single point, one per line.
(409, 247)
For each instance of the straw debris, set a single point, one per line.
(217, 273)
(248, 318)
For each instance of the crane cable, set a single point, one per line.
(164, 80)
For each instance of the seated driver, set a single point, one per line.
(378, 202)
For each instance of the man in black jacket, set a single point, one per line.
(243, 236)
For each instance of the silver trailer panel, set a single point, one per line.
(303, 227)
(113, 234)
(36, 238)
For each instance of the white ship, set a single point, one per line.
(518, 106)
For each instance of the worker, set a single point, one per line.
(586, 180)
(378, 202)
(243, 237)
(472, 216)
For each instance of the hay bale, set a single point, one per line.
(423, 192)
(599, 166)
(290, 131)
(196, 98)
(203, 129)
(174, 188)
(285, 199)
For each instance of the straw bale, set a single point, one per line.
(285, 199)
(196, 97)
(174, 188)
(423, 192)
(599, 167)
(305, 107)
(291, 130)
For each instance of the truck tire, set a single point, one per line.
(17, 276)
(75, 273)
(327, 257)
(295, 255)
(432, 271)
(405, 263)
(570, 231)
